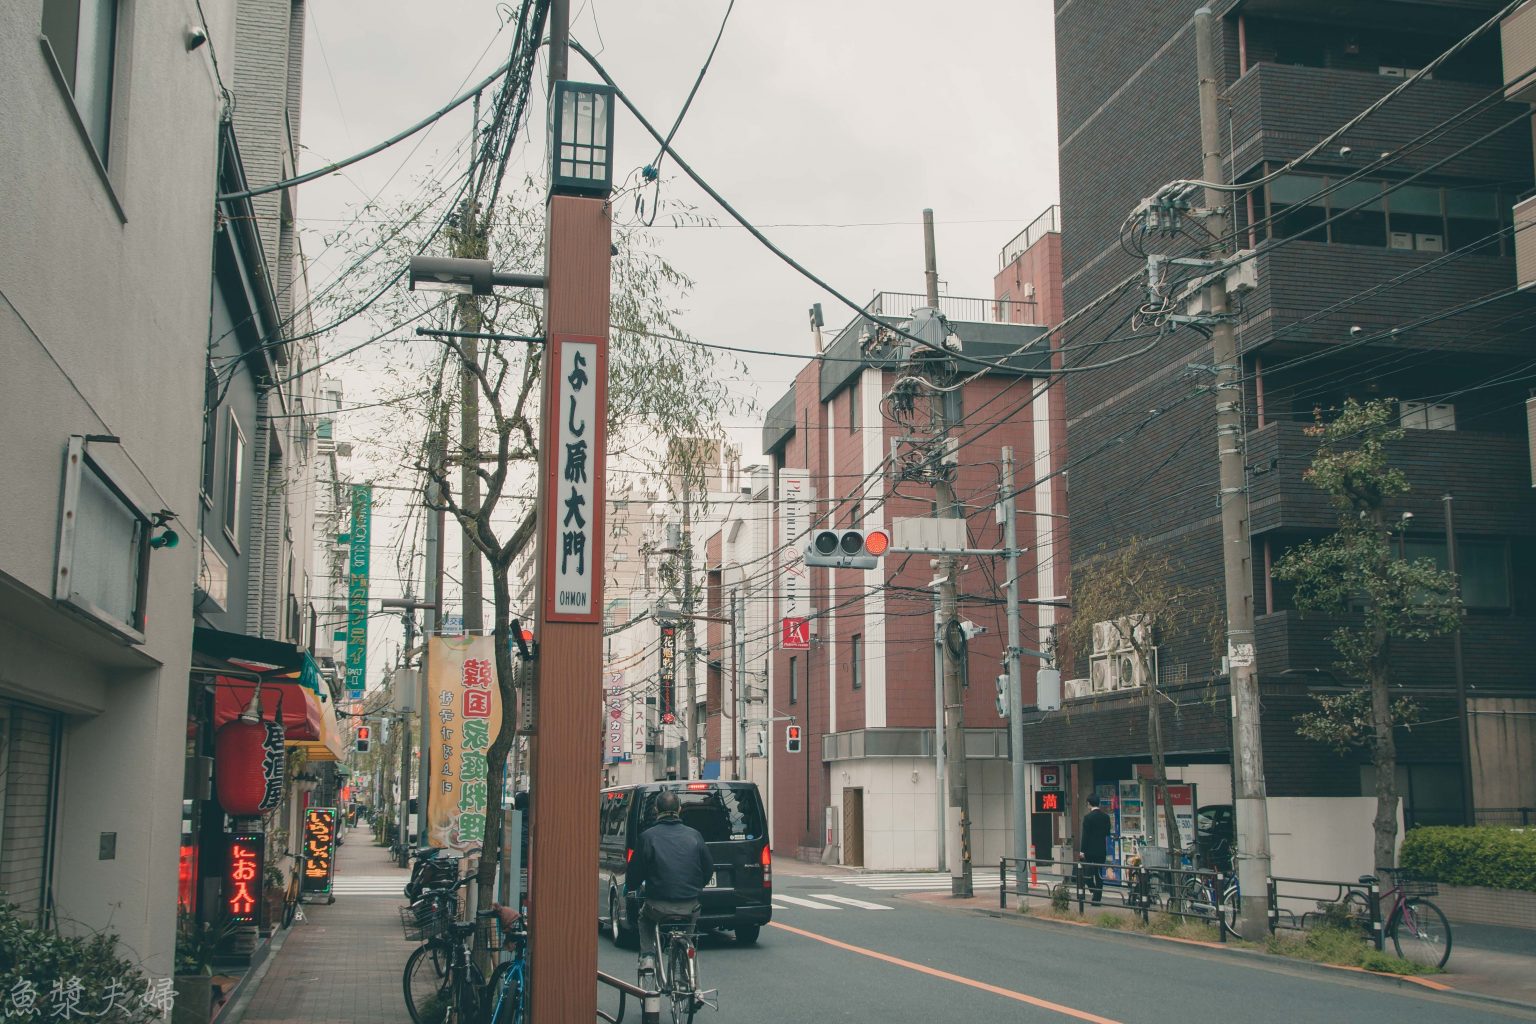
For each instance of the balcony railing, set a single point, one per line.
(1045, 224)
(973, 310)
(1525, 242)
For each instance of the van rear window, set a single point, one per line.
(720, 815)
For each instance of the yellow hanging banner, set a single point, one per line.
(461, 717)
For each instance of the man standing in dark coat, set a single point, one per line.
(1093, 847)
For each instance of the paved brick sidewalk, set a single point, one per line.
(342, 963)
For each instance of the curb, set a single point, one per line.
(1398, 981)
(234, 1010)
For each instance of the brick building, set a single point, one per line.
(864, 788)
(1348, 306)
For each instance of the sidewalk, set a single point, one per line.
(1486, 960)
(342, 963)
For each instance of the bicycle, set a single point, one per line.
(428, 976)
(677, 971)
(1419, 930)
(507, 992)
(1217, 895)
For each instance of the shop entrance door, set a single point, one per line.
(853, 827)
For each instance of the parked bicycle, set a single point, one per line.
(507, 993)
(1419, 930)
(428, 976)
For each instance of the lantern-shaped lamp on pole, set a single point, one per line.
(581, 139)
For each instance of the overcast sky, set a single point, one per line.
(829, 123)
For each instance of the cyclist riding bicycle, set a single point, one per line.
(673, 864)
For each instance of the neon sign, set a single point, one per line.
(242, 879)
(319, 848)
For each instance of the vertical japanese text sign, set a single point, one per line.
(573, 517)
(319, 848)
(357, 590)
(242, 883)
(794, 494)
(462, 718)
(666, 676)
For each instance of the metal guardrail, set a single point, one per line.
(1038, 228)
(650, 1001)
(1184, 892)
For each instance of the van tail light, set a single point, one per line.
(698, 787)
(629, 855)
(767, 867)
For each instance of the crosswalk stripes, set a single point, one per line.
(823, 901)
(914, 881)
(369, 885)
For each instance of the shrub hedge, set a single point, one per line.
(1489, 856)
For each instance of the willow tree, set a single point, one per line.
(1137, 594)
(1385, 600)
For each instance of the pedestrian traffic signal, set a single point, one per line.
(847, 549)
(792, 740)
(364, 735)
(1002, 696)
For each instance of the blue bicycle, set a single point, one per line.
(508, 989)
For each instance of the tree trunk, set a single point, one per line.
(496, 758)
(1384, 755)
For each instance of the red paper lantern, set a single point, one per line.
(248, 765)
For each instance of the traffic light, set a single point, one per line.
(792, 739)
(847, 549)
(1002, 695)
(364, 735)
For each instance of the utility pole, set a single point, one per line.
(1015, 670)
(739, 625)
(692, 749)
(1468, 797)
(405, 747)
(470, 243)
(1253, 858)
(961, 883)
(741, 729)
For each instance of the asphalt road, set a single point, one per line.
(824, 959)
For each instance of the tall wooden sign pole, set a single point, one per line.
(566, 743)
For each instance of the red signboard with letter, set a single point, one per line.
(1050, 801)
(797, 635)
(319, 848)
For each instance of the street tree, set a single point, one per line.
(1138, 595)
(1385, 600)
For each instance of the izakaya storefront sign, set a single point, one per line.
(357, 590)
(666, 677)
(462, 716)
(573, 511)
(319, 848)
(242, 877)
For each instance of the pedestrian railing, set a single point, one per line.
(1301, 903)
(650, 1001)
(1184, 892)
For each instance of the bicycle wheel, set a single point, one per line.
(466, 998)
(680, 981)
(1420, 933)
(1231, 910)
(426, 983)
(505, 993)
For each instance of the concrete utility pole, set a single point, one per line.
(1015, 670)
(432, 615)
(405, 745)
(1242, 666)
(738, 645)
(470, 244)
(949, 633)
(691, 755)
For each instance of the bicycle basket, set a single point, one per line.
(425, 921)
(1416, 887)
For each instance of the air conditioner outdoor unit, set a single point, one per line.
(1101, 673)
(1429, 243)
(1401, 240)
(1129, 673)
(1106, 638)
(1079, 687)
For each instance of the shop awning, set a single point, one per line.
(290, 685)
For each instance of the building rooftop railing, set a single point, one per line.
(1041, 226)
(899, 305)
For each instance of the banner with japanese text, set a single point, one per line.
(462, 717)
(357, 590)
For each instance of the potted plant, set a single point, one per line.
(195, 945)
(274, 893)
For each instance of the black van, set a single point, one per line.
(731, 818)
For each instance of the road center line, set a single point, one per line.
(1006, 993)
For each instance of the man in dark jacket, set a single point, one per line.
(1093, 847)
(672, 861)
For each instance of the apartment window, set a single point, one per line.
(83, 37)
(103, 553)
(1295, 208)
(853, 406)
(1483, 565)
(1364, 226)
(1471, 217)
(794, 680)
(1406, 217)
(857, 674)
(1417, 220)
(1426, 416)
(234, 478)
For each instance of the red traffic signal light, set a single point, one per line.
(792, 739)
(847, 549)
(364, 735)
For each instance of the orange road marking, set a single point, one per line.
(1006, 993)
